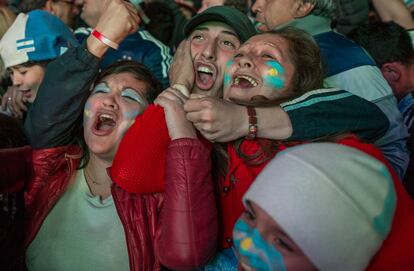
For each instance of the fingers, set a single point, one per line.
(16, 104)
(4, 101)
(172, 95)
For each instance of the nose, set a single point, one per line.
(245, 62)
(209, 51)
(17, 79)
(256, 7)
(110, 102)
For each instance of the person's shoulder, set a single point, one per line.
(146, 38)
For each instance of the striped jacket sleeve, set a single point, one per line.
(326, 112)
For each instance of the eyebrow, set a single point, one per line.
(228, 32)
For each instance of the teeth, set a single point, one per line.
(248, 78)
(105, 116)
(204, 69)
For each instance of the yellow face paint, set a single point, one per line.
(272, 72)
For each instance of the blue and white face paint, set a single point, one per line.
(275, 75)
(254, 250)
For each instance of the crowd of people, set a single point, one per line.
(206, 135)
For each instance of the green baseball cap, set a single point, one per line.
(232, 17)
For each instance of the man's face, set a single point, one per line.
(91, 11)
(213, 44)
(66, 10)
(273, 13)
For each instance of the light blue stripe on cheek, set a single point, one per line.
(131, 115)
(274, 77)
(227, 77)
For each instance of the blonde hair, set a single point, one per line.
(7, 17)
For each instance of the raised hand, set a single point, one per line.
(14, 100)
(172, 100)
(182, 69)
(118, 20)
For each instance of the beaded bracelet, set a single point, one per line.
(252, 132)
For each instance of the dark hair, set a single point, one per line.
(241, 5)
(29, 5)
(305, 56)
(141, 73)
(11, 133)
(385, 42)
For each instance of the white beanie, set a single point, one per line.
(335, 202)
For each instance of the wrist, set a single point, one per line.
(252, 123)
(102, 38)
(96, 47)
(182, 88)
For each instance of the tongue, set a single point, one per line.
(204, 80)
(105, 127)
(243, 83)
(204, 77)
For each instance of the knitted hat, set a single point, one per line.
(35, 36)
(337, 203)
(234, 18)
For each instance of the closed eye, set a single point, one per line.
(101, 88)
(133, 95)
(268, 56)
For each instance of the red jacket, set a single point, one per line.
(164, 228)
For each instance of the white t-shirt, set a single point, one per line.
(81, 232)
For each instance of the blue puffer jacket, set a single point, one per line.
(140, 46)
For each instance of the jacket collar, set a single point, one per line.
(312, 24)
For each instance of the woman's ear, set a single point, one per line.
(304, 9)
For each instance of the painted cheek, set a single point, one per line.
(274, 76)
(227, 76)
(256, 252)
(131, 115)
(86, 113)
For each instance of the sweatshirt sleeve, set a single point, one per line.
(327, 112)
(53, 117)
(188, 233)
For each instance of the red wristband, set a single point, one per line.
(252, 132)
(104, 39)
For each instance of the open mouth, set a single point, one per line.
(244, 81)
(104, 124)
(205, 77)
